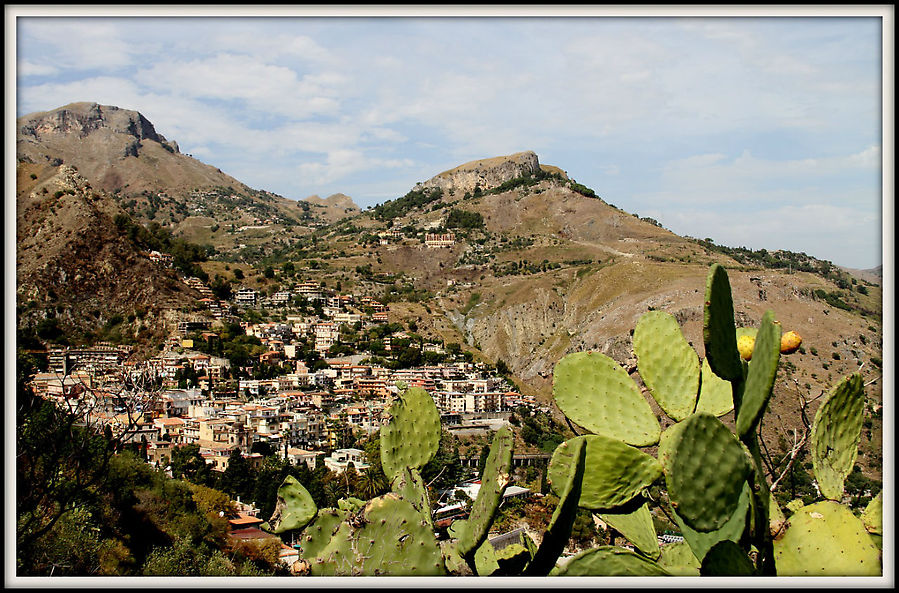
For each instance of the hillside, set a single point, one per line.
(541, 267)
(77, 272)
(532, 266)
(120, 151)
(332, 209)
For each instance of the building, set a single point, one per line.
(246, 297)
(440, 240)
(341, 458)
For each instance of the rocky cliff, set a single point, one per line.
(484, 173)
(114, 148)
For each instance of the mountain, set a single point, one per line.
(541, 267)
(120, 151)
(487, 174)
(332, 209)
(534, 265)
(115, 149)
(77, 271)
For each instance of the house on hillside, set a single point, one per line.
(341, 458)
(440, 239)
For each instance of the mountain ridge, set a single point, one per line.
(535, 266)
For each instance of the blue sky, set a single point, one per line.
(757, 132)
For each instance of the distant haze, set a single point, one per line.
(756, 132)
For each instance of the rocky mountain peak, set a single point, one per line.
(337, 200)
(82, 119)
(484, 173)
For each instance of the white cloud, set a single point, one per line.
(261, 86)
(27, 68)
(342, 163)
(688, 110)
(79, 44)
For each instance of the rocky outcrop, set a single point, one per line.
(485, 174)
(82, 119)
(338, 201)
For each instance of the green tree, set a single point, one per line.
(237, 479)
(188, 464)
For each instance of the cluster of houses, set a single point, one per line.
(302, 414)
(299, 414)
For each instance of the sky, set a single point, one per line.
(763, 132)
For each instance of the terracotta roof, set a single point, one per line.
(244, 520)
(168, 421)
(251, 533)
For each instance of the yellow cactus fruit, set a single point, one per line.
(789, 342)
(745, 344)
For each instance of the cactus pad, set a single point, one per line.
(494, 481)
(760, 378)
(387, 537)
(453, 561)
(727, 559)
(637, 527)
(718, 329)
(351, 504)
(776, 518)
(511, 559)
(826, 539)
(558, 532)
(411, 488)
(609, 561)
(715, 394)
(617, 472)
(593, 391)
(705, 470)
(678, 560)
(667, 363)
(835, 435)
(412, 436)
(873, 515)
(318, 534)
(294, 509)
(701, 542)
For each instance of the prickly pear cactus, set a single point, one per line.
(637, 527)
(873, 520)
(760, 378)
(294, 508)
(558, 532)
(510, 560)
(705, 470)
(387, 537)
(409, 486)
(667, 363)
(873, 515)
(727, 559)
(317, 535)
(617, 472)
(412, 435)
(609, 561)
(826, 539)
(835, 435)
(719, 331)
(593, 391)
(494, 481)
(701, 542)
(776, 518)
(678, 560)
(715, 394)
